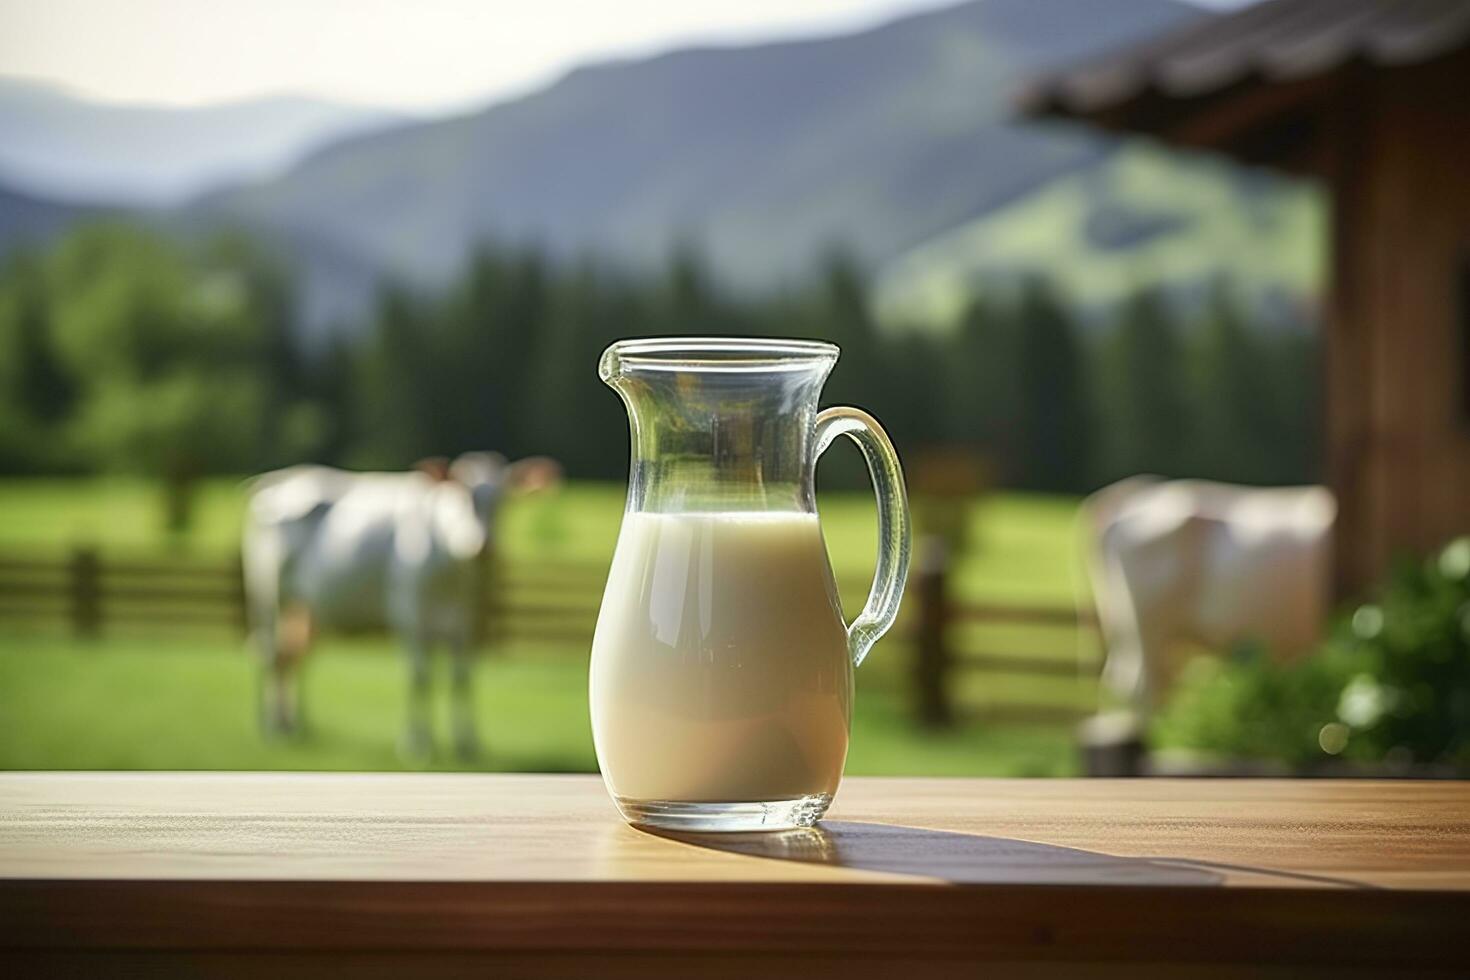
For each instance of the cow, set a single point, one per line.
(1191, 561)
(329, 549)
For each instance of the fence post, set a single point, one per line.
(86, 593)
(487, 584)
(242, 600)
(931, 659)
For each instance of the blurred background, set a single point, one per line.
(1061, 243)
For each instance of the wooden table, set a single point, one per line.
(413, 875)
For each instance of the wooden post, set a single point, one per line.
(1112, 745)
(931, 656)
(1347, 349)
(242, 601)
(86, 593)
(487, 583)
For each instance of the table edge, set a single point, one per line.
(985, 922)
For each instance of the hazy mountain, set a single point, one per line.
(1140, 217)
(63, 147)
(764, 154)
(26, 220)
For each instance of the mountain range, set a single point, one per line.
(25, 219)
(895, 143)
(62, 146)
(764, 155)
(1141, 217)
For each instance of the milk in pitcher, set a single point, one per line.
(720, 667)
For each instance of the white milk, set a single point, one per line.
(720, 670)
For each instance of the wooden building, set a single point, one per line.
(1372, 97)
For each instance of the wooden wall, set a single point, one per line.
(1397, 417)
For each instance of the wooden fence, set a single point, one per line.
(90, 594)
(548, 601)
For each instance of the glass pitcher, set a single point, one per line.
(721, 677)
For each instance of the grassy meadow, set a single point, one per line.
(135, 700)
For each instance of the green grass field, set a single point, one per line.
(138, 701)
(149, 704)
(1024, 545)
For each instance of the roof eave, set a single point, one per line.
(1259, 121)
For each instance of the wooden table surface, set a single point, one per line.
(238, 872)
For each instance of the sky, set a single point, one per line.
(415, 55)
(411, 54)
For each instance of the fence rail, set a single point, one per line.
(556, 601)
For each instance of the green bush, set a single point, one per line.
(1249, 706)
(1411, 696)
(1392, 685)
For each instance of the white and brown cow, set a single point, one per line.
(329, 549)
(1190, 561)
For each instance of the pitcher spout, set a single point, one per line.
(610, 367)
(719, 423)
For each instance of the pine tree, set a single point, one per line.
(1239, 428)
(845, 318)
(1296, 364)
(36, 392)
(393, 386)
(1052, 424)
(1144, 401)
(981, 385)
(45, 391)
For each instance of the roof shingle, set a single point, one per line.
(1273, 41)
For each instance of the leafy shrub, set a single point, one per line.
(1393, 684)
(1411, 696)
(1248, 706)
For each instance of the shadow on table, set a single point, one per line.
(973, 858)
(947, 856)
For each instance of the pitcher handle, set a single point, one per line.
(893, 521)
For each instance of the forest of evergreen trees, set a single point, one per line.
(122, 350)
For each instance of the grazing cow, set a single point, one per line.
(1210, 563)
(329, 549)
